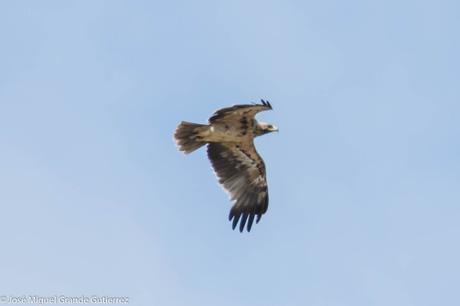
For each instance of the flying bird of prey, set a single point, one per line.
(240, 169)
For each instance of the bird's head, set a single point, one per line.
(263, 128)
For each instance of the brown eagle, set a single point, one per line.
(240, 169)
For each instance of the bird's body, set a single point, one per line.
(222, 133)
(240, 169)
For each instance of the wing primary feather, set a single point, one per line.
(230, 215)
(250, 220)
(236, 218)
(266, 103)
(243, 221)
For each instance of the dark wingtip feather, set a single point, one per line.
(243, 221)
(236, 218)
(251, 219)
(266, 103)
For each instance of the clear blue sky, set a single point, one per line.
(364, 176)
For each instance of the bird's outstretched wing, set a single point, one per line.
(237, 111)
(241, 171)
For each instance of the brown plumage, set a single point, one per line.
(240, 169)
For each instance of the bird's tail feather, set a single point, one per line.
(187, 136)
